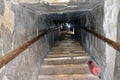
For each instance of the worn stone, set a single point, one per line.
(117, 63)
(27, 25)
(94, 46)
(110, 28)
(2, 7)
(21, 22)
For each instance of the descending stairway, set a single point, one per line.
(66, 61)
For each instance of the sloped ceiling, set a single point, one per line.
(59, 10)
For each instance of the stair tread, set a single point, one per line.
(66, 61)
(67, 47)
(65, 69)
(65, 65)
(68, 77)
(63, 51)
(66, 55)
(66, 52)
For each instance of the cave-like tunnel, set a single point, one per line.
(59, 39)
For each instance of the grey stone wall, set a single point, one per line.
(27, 25)
(117, 61)
(95, 47)
(104, 21)
(111, 10)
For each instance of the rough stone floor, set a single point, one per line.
(66, 61)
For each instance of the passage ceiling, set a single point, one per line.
(62, 6)
(59, 9)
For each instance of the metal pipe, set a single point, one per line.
(11, 55)
(114, 44)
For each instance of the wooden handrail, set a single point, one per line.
(11, 55)
(114, 44)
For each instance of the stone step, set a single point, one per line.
(63, 48)
(66, 52)
(67, 44)
(67, 41)
(70, 40)
(67, 49)
(67, 60)
(68, 77)
(73, 45)
(74, 48)
(66, 55)
(65, 69)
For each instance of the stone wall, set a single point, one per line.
(27, 25)
(104, 21)
(95, 47)
(111, 10)
(117, 61)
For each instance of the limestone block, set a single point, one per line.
(8, 16)
(6, 38)
(17, 28)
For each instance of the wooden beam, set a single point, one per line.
(114, 44)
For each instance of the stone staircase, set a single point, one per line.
(66, 61)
